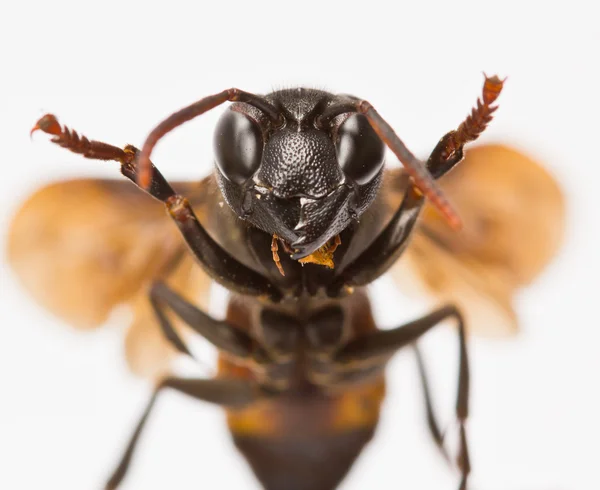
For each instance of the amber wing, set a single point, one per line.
(83, 247)
(513, 213)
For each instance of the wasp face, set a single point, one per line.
(300, 181)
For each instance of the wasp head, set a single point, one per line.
(301, 179)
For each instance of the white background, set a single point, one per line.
(113, 71)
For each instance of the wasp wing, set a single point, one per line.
(83, 247)
(513, 213)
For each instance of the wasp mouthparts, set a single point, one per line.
(323, 255)
(275, 252)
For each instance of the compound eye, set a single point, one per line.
(360, 152)
(238, 146)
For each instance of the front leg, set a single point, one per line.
(391, 242)
(449, 150)
(385, 250)
(221, 266)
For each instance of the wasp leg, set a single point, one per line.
(386, 248)
(167, 329)
(360, 374)
(432, 422)
(224, 392)
(390, 244)
(440, 162)
(221, 266)
(369, 354)
(449, 150)
(223, 336)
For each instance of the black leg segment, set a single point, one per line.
(223, 392)
(217, 263)
(225, 337)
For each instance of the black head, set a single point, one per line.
(304, 178)
(301, 164)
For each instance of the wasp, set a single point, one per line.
(299, 216)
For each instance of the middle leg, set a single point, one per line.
(367, 355)
(389, 245)
(224, 392)
(216, 261)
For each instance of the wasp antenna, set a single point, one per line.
(192, 111)
(423, 180)
(169, 124)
